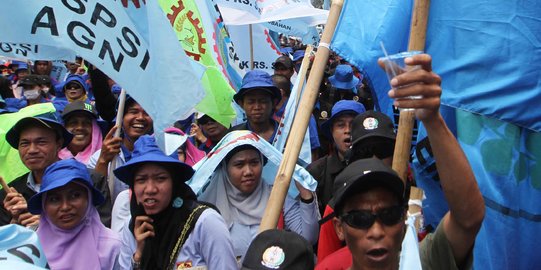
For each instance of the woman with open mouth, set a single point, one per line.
(70, 227)
(168, 228)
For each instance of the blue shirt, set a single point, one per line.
(209, 244)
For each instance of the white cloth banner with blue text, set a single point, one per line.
(130, 41)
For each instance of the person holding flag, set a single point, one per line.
(370, 199)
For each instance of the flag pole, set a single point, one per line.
(417, 40)
(304, 70)
(4, 185)
(300, 123)
(251, 47)
(119, 117)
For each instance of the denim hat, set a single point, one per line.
(79, 106)
(297, 55)
(78, 79)
(146, 151)
(257, 80)
(13, 134)
(365, 174)
(278, 249)
(341, 107)
(343, 77)
(60, 174)
(371, 124)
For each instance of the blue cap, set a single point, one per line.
(13, 134)
(343, 78)
(298, 54)
(260, 80)
(22, 65)
(60, 174)
(116, 89)
(78, 79)
(286, 50)
(341, 107)
(146, 151)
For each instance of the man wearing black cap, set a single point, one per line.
(284, 66)
(372, 135)
(31, 89)
(258, 98)
(370, 199)
(38, 140)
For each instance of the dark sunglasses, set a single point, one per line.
(379, 149)
(364, 219)
(73, 86)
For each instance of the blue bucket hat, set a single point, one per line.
(14, 133)
(146, 151)
(343, 78)
(78, 79)
(341, 107)
(286, 50)
(60, 174)
(257, 80)
(297, 55)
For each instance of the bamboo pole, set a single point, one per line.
(300, 123)
(417, 40)
(251, 47)
(304, 70)
(4, 185)
(119, 117)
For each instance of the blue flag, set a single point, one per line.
(358, 41)
(506, 161)
(131, 41)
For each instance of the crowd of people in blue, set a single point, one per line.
(149, 217)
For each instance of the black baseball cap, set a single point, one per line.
(30, 80)
(284, 61)
(79, 106)
(278, 249)
(371, 124)
(363, 175)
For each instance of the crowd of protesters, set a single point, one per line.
(148, 217)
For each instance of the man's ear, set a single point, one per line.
(59, 144)
(338, 228)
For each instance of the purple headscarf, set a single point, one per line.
(90, 245)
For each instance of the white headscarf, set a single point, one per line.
(235, 206)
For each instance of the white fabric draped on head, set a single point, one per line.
(235, 206)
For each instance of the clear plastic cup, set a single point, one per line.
(394, 66)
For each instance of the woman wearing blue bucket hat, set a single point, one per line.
(168, 228)
(70, 228)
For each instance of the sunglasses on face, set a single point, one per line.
(364, 219)
(73, 86)
(379, 149)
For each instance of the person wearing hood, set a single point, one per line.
(168, 228)
(70, 228)
(239, 190)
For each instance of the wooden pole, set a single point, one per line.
(401, 155)
(304, 70)
(300, 123)
(251, 47)
(4, 185)
(119, 117)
